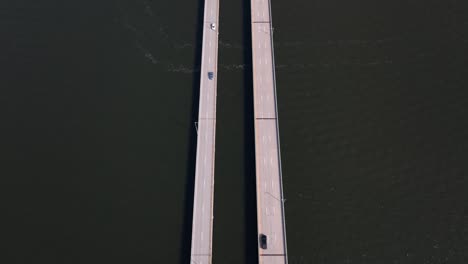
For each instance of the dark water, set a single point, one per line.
(98, 100)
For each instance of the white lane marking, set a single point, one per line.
(261, 98)
(271, 160)
(201, 235)
(210, 44)
(203, 208)
(209, 59)
(204, 160)
(264, 160)
(269, 138)
(204, 182)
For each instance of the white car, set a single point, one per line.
(213, 26)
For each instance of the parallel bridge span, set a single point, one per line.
(202, 225)
(270, 202)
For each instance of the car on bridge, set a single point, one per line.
(263, 241)
(210, 75)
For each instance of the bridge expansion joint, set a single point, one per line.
(265, 118)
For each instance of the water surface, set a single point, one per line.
(99, 100)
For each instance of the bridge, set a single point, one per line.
(270, 201)
(202, 223)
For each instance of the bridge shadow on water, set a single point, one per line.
(186, 235)
(250, 204)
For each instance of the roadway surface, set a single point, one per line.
(202, 225)
(270, 207)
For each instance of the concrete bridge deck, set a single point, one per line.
(270, 207)
(202, 225)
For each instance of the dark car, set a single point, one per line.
(210, 75)
(263, 241)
